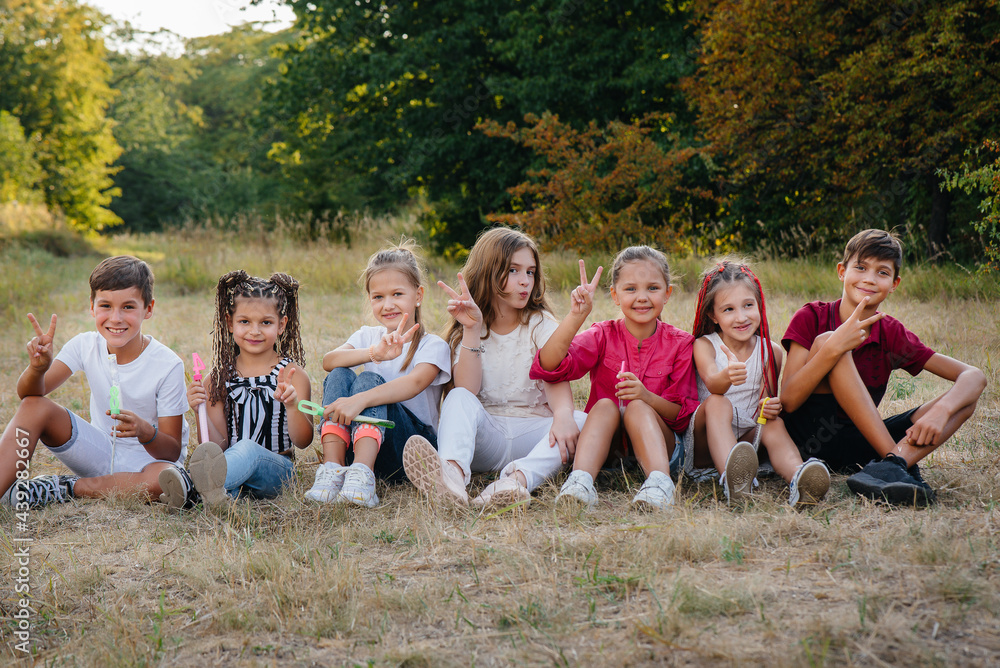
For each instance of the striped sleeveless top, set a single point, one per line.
(255, 414)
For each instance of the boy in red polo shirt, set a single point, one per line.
(831, 398)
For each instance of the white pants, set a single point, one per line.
(478, 441)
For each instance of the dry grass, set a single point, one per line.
(845, 583)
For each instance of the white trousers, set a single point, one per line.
(479, 442)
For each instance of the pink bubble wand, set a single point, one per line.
(199, 366)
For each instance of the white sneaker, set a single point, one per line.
(358, 487)
(329, 481)
(436, 479)
(503, 492)
(741, 469)
(578, 488)
(657, 493)
(810, 483)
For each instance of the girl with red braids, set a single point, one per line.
(738, 367)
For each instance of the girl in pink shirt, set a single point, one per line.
(641, 376)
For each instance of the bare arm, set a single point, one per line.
(715, 379)
(293, 385)
(345, 356)
(803, 374)
(468, 371)
(581, 304)
(564, 432)
(42, 374)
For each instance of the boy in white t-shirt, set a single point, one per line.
(137, 400)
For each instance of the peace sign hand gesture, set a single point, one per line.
(737, 369)
(461, 306)
(391, 345)
(853, 331)
(284, 391)
(582, 297)
(40, 346)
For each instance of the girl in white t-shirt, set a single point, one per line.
(405, 369)
(496, 417)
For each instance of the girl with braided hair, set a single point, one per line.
(251, 392)
(738, 367)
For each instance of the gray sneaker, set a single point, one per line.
(40, 491)
(578, 489)
(657, 493)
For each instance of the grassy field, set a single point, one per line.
(274, 583)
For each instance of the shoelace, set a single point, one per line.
(43, 492)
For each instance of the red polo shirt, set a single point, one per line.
(889, 345)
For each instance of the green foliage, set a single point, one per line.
(382, 99)
(19, 169)
(195, 144)
(604, 189)
(977, 174)
(834, 116)
(55, 82)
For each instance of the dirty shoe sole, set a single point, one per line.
(741, 467)
(207, 469)
(172, 484)
(813, 485)
(423, 467)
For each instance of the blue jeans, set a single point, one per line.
(253, 470)
(343, 382)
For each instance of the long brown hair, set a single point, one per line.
(724, 273)
(485, 273)
(400, 257)
(281, 288)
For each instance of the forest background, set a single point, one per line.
(775, 129)
(779, 128)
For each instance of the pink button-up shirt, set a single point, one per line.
(663, 362)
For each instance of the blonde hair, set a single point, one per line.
(401, 257)
(485, 273)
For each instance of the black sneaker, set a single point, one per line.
(889, 479)
(914, 472)
(178, 489)
(41, 491)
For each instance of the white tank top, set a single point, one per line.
(745, 397)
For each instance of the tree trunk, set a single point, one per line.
(937, 225)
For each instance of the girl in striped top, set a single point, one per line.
(251, 394)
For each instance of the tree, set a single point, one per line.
(19, 170)
(979, 175)
(387, 95)
(604, 189)
(55, 82)
(834, 116)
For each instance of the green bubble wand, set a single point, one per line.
(114, 404)
(312, 408)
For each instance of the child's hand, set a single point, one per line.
(345, 409)
(196, 394)
(40, 346)
(629, 387)
(564, 433)
(461, 306)
(853, 331)
(391, 345)
(284, 391)
(927, 430)
(737, 369)
(129, 425)
(772, 409)
(582, 297)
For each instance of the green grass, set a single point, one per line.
(286, 582)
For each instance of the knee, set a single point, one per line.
(365, 381)
(636, 409)
(605, 405)
(717, 405)
(240, 449)
(339, 380)
(40, 410)
(459, 396)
